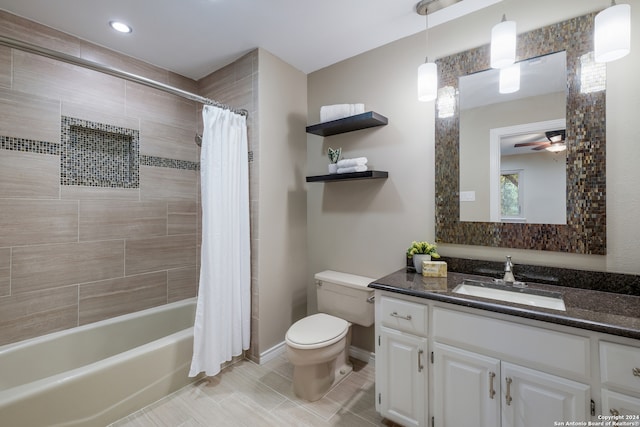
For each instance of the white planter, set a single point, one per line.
(417, 261)
(333, 168)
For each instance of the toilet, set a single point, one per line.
(318, 345)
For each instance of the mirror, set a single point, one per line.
(584, 228)
(508, 172)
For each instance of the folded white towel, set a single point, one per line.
(339, 111)
(352, 169)
(347, 163)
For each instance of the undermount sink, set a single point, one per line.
(508, 293)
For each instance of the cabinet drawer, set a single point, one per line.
(404, 316)
(620, 366)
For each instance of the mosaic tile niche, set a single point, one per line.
(98, 155)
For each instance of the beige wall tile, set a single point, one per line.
(151, 104)
(5, 271)
(31, 222)
(109, 219)
(160, 253)
(65, 82)
(182, 82)
(78, 192)
(29, 116)
(98, 115)
(182, 224)
(22, 29)
(110, 298)
(167, 183)
(171, 142)
(182, 283)
(182, 207)
(5, 67)
(41, 181)
(49, 266)
(33, 314)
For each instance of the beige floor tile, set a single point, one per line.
(247, 394)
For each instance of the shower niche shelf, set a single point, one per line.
(348, 124)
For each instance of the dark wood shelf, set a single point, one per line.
(347, 124)
(348, 176)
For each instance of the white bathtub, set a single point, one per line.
(95, 374)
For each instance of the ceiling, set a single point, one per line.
(196, 37)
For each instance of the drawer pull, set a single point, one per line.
(636, 372)
(614, 412)
(420, 366)
(492, 392)
(508, 398)
(399, 316)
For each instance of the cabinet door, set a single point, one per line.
(534, 398)
(466, 388)
(402, 391)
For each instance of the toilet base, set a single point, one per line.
(311, 383)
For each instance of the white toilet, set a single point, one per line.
(318, 345)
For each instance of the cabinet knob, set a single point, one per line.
(614, 412)
(636, 372)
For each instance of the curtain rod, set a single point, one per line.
(42, 51)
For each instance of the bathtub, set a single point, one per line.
(97, 373)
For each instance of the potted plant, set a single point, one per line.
(421, 251)
(334, 156)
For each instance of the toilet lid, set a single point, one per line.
(317, 330)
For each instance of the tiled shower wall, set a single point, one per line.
(72, 254)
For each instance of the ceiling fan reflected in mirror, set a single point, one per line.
(555, 142)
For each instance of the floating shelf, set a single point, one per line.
(348, 176)
(347, 124)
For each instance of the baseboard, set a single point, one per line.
(272, 353)
(363, 355)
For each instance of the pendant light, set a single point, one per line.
(427, 72)
(612, 33)
(503, 43)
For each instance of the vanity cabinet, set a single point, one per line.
(620, 377)
(493, 392)
(401, 361)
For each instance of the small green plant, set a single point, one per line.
(422, 248)
(334, 155)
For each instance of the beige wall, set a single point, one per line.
(282, 217)
(365, 227)
(71, 255)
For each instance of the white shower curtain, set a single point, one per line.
(223, 313)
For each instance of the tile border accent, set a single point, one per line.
(585, 231)
(29, 145)
(163, 162)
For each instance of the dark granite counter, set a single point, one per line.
(607, 312)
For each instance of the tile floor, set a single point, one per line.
(247, 394)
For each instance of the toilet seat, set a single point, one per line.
(316, 331)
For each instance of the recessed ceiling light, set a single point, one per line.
(120, 26)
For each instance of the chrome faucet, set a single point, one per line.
(508, 271)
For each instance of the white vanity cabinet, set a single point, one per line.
(620, 376)
(439, 364)
(401, 361)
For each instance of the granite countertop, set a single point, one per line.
(607, 312)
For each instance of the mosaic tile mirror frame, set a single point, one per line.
(585, 231)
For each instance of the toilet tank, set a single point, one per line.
(345, 296)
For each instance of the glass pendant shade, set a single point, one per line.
(510, 79)
(612, 33)
(427, 82)
(557, 147)
(503, 44)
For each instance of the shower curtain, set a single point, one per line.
(223, 312)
